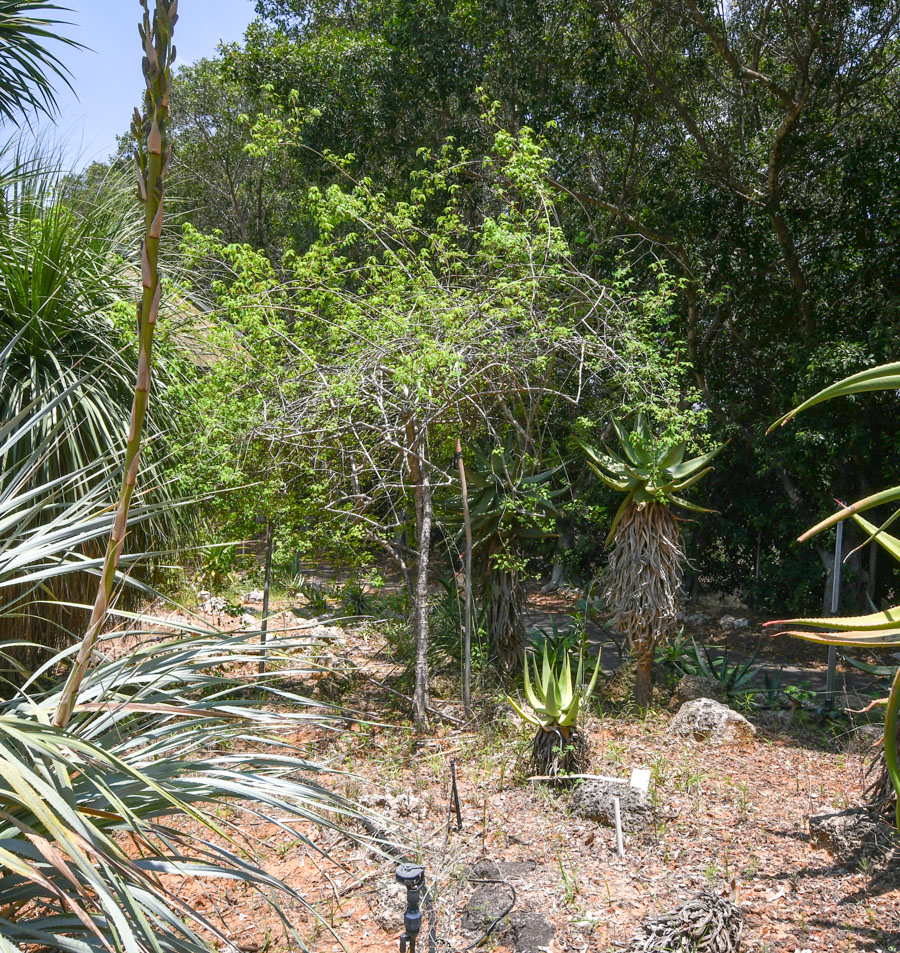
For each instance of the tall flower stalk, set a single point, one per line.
(150, 129)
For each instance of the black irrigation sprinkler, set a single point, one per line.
(412, 876)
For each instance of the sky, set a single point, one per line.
(107, 77)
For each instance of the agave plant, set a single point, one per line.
(645, 567)
(555, 700)
(878, 630)
(510, 502)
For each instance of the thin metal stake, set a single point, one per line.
(830, 678)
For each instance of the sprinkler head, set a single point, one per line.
(410, 875)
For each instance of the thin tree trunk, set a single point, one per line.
(467, 638)
(421, 695)
(151, 133)
(267, 588)
(643, 681)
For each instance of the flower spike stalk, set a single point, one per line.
(150, 129)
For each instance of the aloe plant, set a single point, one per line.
(554, 701)
(645, 567)
(877, 630)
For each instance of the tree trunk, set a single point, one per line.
(504, 599)
(421, 699)
(643, 683)
(467, 644)
(418, 472)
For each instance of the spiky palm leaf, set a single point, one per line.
(880, 629)
(62, 273)
(28, 67)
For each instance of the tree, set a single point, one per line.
(644, 578)
(403, 334)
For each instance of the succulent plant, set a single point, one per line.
(879, 630)
(644, 574)
(650, 472)
(555, 699)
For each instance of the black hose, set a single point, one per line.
(432, 919)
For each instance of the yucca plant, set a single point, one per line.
(878, 630)
(643, 581)
(555, 700)
(63, 275)
(27, 65)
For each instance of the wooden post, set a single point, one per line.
(467, 643)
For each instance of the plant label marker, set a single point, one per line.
(640, 780)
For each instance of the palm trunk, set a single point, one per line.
(151, 133)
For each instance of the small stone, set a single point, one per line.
(729, 622)
(852, 836)
(595, 800)
(864, 737)
(254, 595)
(692, 687)
(695, 619)
(706, 720)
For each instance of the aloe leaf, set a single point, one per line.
(522, 713)
(620, 512)
(890, 543)
(883, 377)
(877, 499)
(530, 695)
(625, 439)
(884, 640)
(682, 485)
(688, 505)
(689, 467)
(888, 619)
(891, 716)
(671, 456)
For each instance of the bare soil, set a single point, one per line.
(733, 817)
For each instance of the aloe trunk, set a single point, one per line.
(150, 130)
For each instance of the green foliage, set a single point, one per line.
(737, 679)
(554, 699)
(27, 65)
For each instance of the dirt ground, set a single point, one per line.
(729, 817)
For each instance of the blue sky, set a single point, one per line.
(107, 77)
